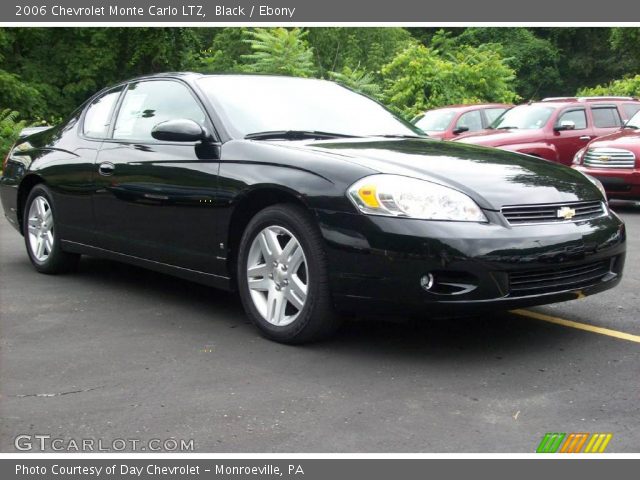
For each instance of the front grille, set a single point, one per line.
(552, 212)
(539, 281)
(609, 158)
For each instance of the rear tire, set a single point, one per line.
(283, 277)
(41, 235)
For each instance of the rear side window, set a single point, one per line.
(630, 109)
(606, 117)
(148, 103)
(578, 117)
(98, 115)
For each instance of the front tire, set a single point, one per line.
(41, 235)
(283, 277)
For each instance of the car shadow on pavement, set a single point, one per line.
(468, 337)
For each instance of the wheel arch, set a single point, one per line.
(25, 187)
(247, 207)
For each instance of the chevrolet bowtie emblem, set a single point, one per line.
(604, 158)
(566, 212)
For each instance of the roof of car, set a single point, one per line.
(471, 106)
(589, 99)
(223, 74)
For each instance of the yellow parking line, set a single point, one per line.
(580, 326)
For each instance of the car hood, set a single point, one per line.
(493, 178)
(438, 135)
(497, 138)
(628, 139)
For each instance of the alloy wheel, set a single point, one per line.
(40, 228)
(277, 275)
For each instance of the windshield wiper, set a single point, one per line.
(507, 128)
(633, 127)
(399, 135)
(294, 135)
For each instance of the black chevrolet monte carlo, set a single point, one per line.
(307, 198)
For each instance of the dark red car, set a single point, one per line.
(615, 161)
(555, 128)
(449, 122)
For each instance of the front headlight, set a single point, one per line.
(577, 158)
(597, 183)
(398, 196)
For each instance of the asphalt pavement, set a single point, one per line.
(117, 352)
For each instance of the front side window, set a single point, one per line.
(578, 117)
(147, 104)
(98, 115)
(524, 117)
(606, 117)
(472, 121)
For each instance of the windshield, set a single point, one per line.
(435, 120)
(634, 122)
(253, 104)
(524, 117)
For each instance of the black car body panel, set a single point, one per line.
(178, 207)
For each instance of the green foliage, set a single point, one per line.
(586, 57)
(359, 80)
(420, 78)
(367, 48)
(10, 128)
(624, 87)
(56, 69)
(45, 73)
(625, 45)
(535, 60)
(278, 51)
(224, 53)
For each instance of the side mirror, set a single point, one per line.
(565, 125)
(459, 130)
(179, 130)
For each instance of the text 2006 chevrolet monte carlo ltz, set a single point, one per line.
(308, 199)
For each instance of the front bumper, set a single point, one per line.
(379, 262)
(619, 183)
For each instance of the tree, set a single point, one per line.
(368, 48)
(224, 53)
(420, 78)
(628, 87)
(61, 67)
(45, 73)
(280, 51)
(535, 60)
(586, 57)
(357, 79)
(625, 44)
(10, 128)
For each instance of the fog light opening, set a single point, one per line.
(427, 281)
(448, 282)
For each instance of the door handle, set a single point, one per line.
(585, 138)
(106, 168)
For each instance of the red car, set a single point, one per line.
(448, 122)
(615, 161)
(556, 128)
